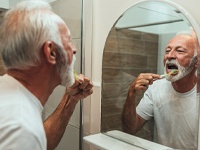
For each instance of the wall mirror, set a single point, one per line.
(136, 44)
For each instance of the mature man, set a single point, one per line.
(37, 51)
(171, 101)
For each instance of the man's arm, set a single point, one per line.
(56, 123)
(131, 121)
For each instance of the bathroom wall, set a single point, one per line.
(2, 70)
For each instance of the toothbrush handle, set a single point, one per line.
(162, 76)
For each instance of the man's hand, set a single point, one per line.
(80, 89)
(142, 82)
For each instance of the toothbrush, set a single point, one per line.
(76, 77)
(173, 72)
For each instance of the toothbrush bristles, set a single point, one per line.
(173, 72)
(76, 76)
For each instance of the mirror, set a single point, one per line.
(136, 44)
(2, 69)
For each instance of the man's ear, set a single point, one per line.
(50, 52)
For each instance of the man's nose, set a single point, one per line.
(171, 54)
(74, 49)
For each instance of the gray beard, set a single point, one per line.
(67, 75)
(182, 71)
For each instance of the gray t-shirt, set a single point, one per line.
(175, 115)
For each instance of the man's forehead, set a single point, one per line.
(64, 29)
(183, 36)
(178, 39)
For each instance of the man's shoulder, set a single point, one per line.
(161, 82)
(18, 136)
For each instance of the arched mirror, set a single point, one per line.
(136, 44)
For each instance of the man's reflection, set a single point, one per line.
(171, 101)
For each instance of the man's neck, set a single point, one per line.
(36, 81)
(185, 84)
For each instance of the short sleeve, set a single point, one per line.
(145, 107)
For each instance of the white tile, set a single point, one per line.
(70, 8)
(70, 139)
(56, 8)
(74, 25)
(86, 114)
(75, 119)
(96, 110)
(70, 12)
(54, 99)
(53, 102)
(92, 112)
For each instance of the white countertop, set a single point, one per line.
(117, 140)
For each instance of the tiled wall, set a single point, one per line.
(2, 69)
(127, 53)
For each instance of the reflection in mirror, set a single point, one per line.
(2, 69)
(137, 44)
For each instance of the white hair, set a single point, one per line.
(189, 33)
(23, 31)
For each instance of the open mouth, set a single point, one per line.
(172, 67)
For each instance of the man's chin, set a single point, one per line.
(174, 78)
(68, 82)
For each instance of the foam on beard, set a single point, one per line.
(67, 75)
(182, 71)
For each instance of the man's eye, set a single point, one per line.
(71, 43)
(180, 50)
(167, 50)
